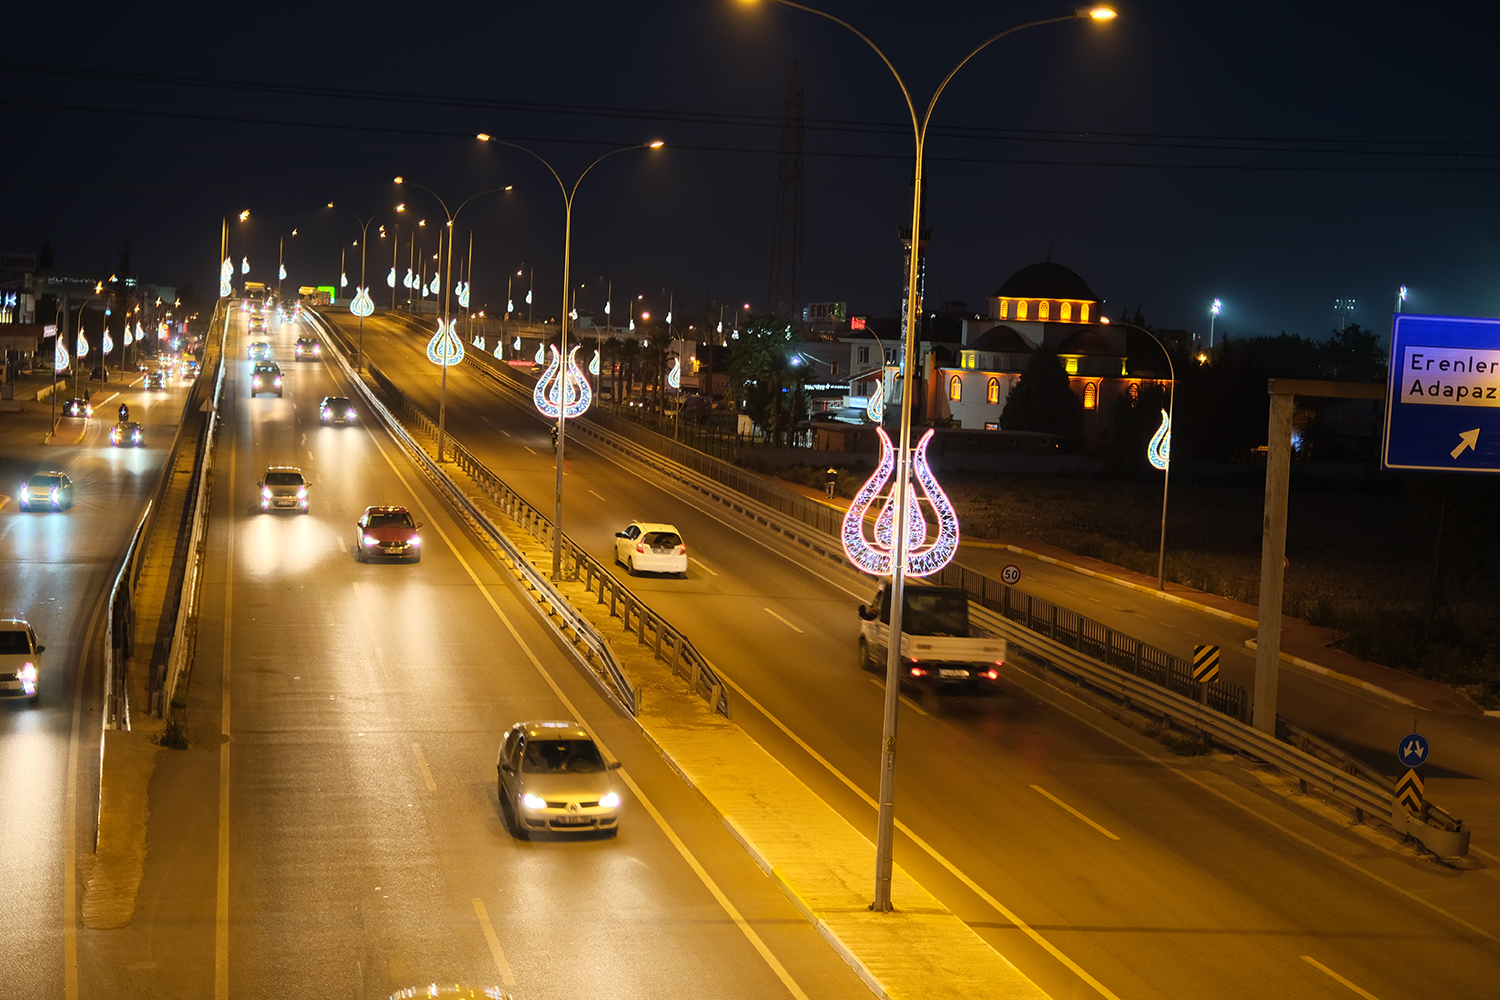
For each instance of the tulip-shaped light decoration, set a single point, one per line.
(139, 333)
(541, 355)
(924, 555)
(528, 296)
(1159, 451)
(463, 294)
(60, 361)
(479, 342)
(435, 285)
(226, 274)
(594, 364)
(562, 387)
(674, 377)
(343, 280)
(109, 343)
(82, 347)
(875, 408)
(500, 349)
(516, 345)
(128, 338)
(409, 281)
(281, 272)
(362, 305)
(445, 348)
(245, 265)
(390, 279)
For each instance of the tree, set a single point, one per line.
(1042, 400)
(762, 372)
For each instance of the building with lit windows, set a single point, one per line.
(1042, 305)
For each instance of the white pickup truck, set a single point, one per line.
(936, 647)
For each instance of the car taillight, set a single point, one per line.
(639, 547)
(918, 672)
(992, 674)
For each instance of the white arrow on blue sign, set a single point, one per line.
(1412, 750)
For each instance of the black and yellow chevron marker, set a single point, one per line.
(1205, 663)
(1409, 791)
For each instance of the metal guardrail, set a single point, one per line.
(187, 605)
(1368, 798)
(667, 643)
(1096, 640)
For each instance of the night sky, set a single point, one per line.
(1276, 155)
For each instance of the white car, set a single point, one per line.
(20, 661)
(647, 547)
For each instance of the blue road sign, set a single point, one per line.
(1412, 750)
(1443, 400)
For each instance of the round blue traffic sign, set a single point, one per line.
(1412, 750)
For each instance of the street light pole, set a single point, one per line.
(447, 292)
(1161, 553)
(885, 824)
(1213, 314)
(562, 346)
(364, 238)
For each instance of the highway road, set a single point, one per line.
(334, 831)
(1464, 776)
(55, 571)
(1155, 876)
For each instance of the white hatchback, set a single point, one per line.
(647, 547)
(20, 661)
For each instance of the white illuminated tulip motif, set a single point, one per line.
(445, 349)
(562, 387)
(874, 552)
(1159, 451)
(362, 305)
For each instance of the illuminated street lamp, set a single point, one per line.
(1213, 314)
(906, 462)
(442, 356)
(281, 264)
(363, 305)
(1400, 298)
(562, 411)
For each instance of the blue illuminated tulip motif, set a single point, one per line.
(281, 272)
(226, 274)
(500, 349)
(541, 354)
(479, 342)
(445, 348)
(128, 338)
(463, 294)
(563, 388)
(516, 345)
(362, 305)
(528, 296)
(343, 280)
(674, 377)
(109, 343)
(60, 357)
(594, 364)
(390, 279)
(1159, 451)
(875, 408)
(409, 281)
(245, 265)
(873, 552)
(82, 346)
(436, 285)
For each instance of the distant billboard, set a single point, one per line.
(825, 312)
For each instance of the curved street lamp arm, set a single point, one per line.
(1171, 368)
(927, 118)
(917, 127)
(471, 197)
(430, 191)
(591, 166)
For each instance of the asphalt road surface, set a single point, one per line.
(1154, 875)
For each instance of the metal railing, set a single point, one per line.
(650, 628)
(1096, 640)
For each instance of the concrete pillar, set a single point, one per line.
(1273, 561)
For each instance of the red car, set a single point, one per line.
(387, 533)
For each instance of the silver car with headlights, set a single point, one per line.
(552, 778)
(283, 487)
(20, 661)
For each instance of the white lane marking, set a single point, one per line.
(597, 495)
(931, 851)
(1337, 978)
(1075, 812)
(700, 564)
(782, 620)
(528, 448)
(105, 399)
(1492, 857)
(416, 748)
(682, 849)
(502, 430)
(493, 940)
(310, 454)
(304, 438)
(904, 699)
(221, 890)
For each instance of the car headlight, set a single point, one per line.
(27, 672)
(348, 414)
(278, 382)
(531, 801)
(54, 493)
(265, 491)
(368, 539)
(414, 540)
(609, 800)
(302, 493)
(317, 349)
(327, 413)
(255, 380)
